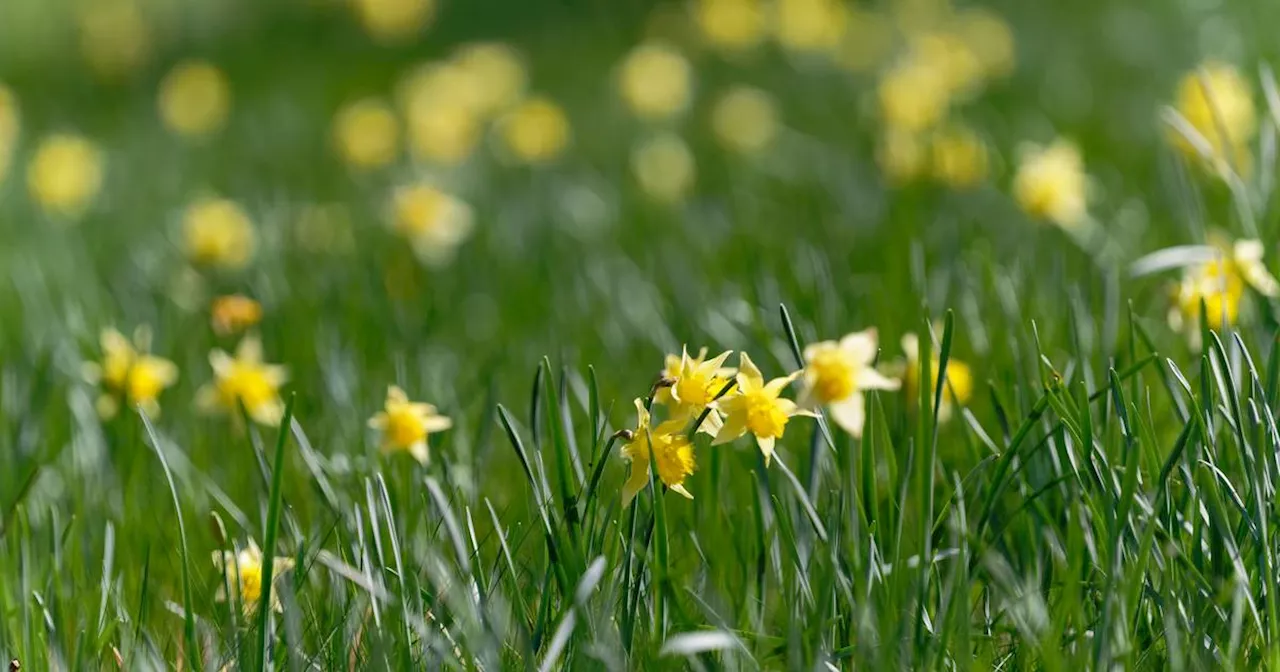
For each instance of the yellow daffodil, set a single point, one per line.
(394, 21)
(233, 314)
(672, 455)
(755, 407)
(10, 122)
(244, 379)
(902, 156)
(745, 119)
(432, 221)
(535, 131)
(810, 25)
(959, 157)
(217, 233)
(439, 102)
(1051, 184)
(65, 174)
(913, 96)
(959, 382)
(1221, 283)
(496, 73)
(730, 25)
(695, 382)
(242, 574)
(129, 373)
(656, 81)
(115, 38)
(1218, 103)
(405, 424)
(990, 39)
(366, 134)
(194, 99)
(837, 373)
(664, 167)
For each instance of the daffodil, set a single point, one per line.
(195, 99)
(242, 574)
(233, 314)
(218, 233)
(65, 174)
(439, 104)
(244, 379)
(664, 167)
(1218, 103)
(902, 156)
(1220, 283)
(129, 373)
(810, 25)
(990, 39)
(913, 96)
(366, 134)
(959, 381)
(1051, 184)
(405, 424)
(672, 455)
(535, 131)
(959, 157)
(837, 373)
(497, 75)
(694, 384)
(656, 81)
(394, 21)
(745, 119)
(115, 37)
(756, 407)
(730, 25)
(432, 221)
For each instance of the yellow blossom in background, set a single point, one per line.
(656, 81)
(242, 574)
(1051, 184)
(695, 382)
(756, 407)
(65, 174)
(405, 424)
(913, 96)
(664, 167)
(959, 381)
(394, 21)
(672, 455)
(837, 373)
(745, 119)
(868, 41)
(194, 99)
(1220, 284)
(535, 131)
(115, 38)
(1218, 103)
(432, 221)
(10, 123)
(730, 25)
(129, 373)
(244, 379)
(990, 39)
(810, 25)
(902, 156)
(217, 233)
(233, 314)
(957, 67)
(497, 74)
(439, 105)
(366, 134)
(959, 157)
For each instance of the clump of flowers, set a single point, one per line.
(666, 445)
(405, 425)
(441, 121)
(65, 175)
(691, 386)
(244, 379)
(1220, 284)
(1051, 184)
(217, 233)
(242, 576)
(432, 221)
(233, 314)
(655, 81)
(757, 408)
(836, 374)
(195, 99)
(1218, 104)
(366, 134)
(129, 374)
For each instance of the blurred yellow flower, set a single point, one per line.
(405, 424)
(432, 221)
(811, 25)
(755, 407)
(959, 381)
(194, 99)
(129, 373)
(366, 134)
(10, 123)
(233, 314)
(65, 174)
(496, 73)
(1221, 283)
(913, 96)
(949, 58)
(730, 25)
(695, 382)
(244, 379)
(1218, 103)
(535, 131)
(1051, 184)
(672, 455)
(902, 156)
(440, 129)
(218, 233)
(837, 373)
(959, 157)
(655, 81)
(394, 21)
(990, 39)
(745, 119)
(664, 167)
(115, 38)
(242, 574)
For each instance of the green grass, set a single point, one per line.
(1104, 499)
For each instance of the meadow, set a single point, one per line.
(716, 334)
